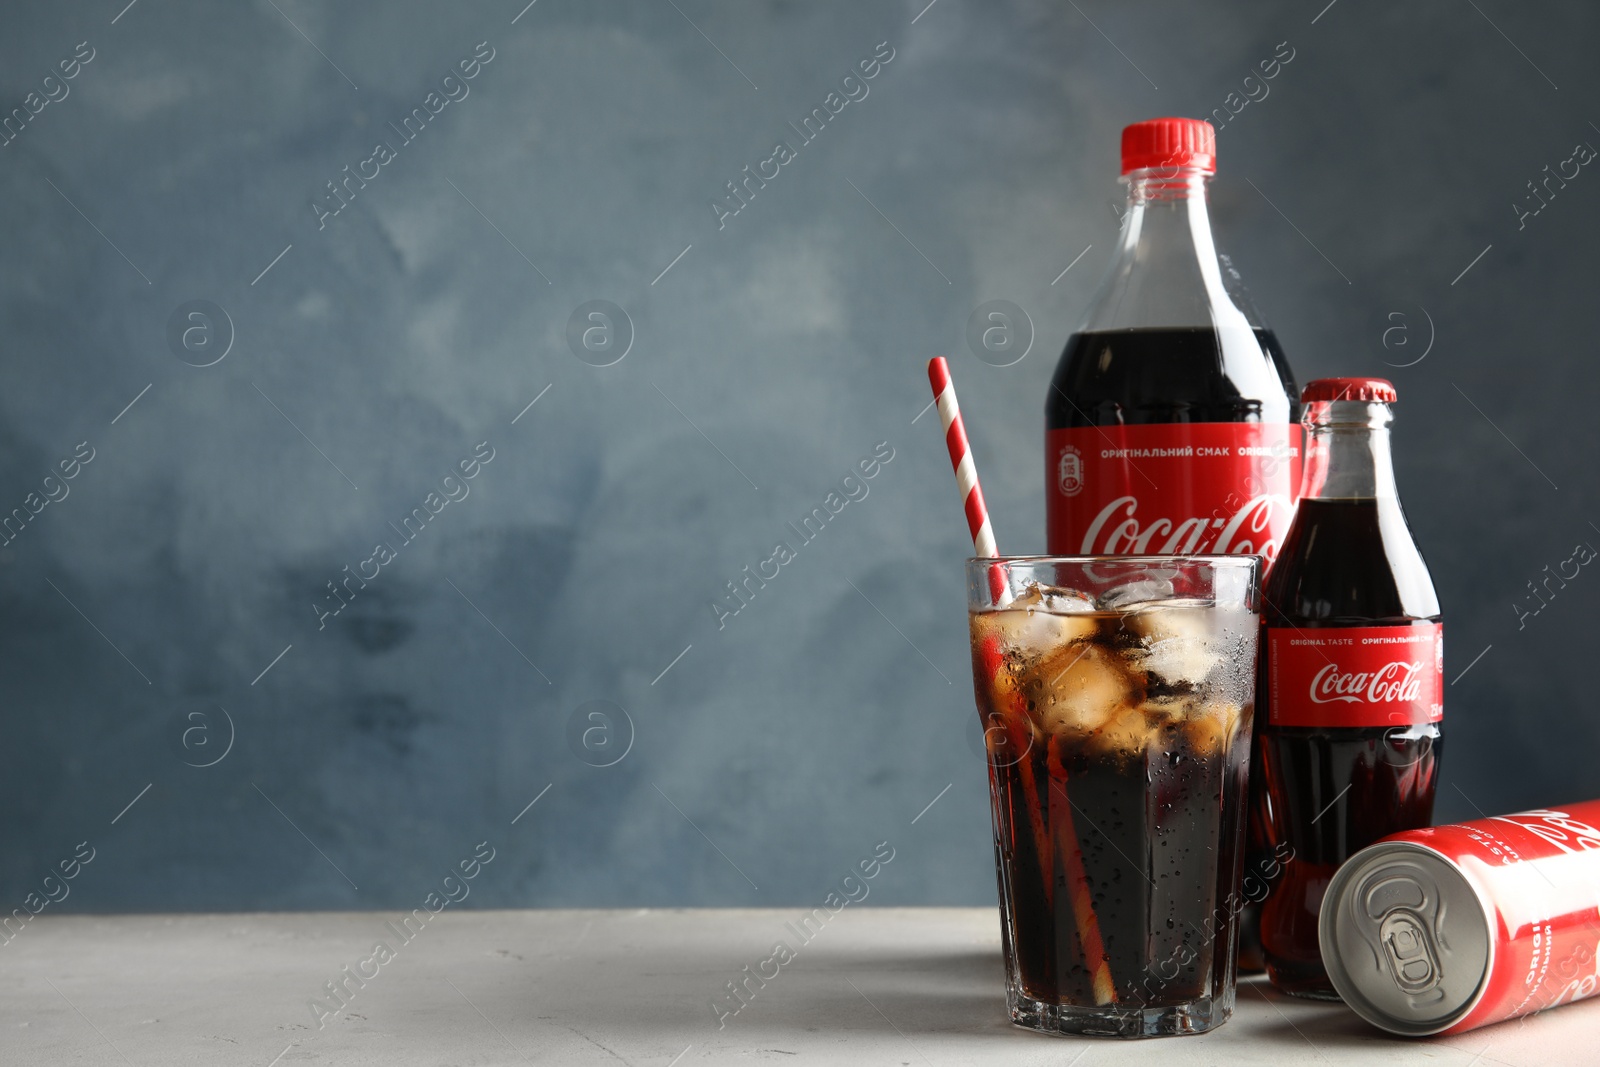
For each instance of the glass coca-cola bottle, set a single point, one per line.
(1347, 742)
(1170, 425)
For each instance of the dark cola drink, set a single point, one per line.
(1117, 724)
(1170, 425)
(1348, 742)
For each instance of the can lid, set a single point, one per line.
(1371, 390)
(1405, 938)
(1169, 143)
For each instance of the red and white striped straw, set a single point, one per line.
(1070, 852)
(955, 438)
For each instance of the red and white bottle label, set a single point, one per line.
(1177, 488)
(1355, 675)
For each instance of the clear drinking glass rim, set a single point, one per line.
(1226, 561)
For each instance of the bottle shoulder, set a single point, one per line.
(1349, 563)
(1138, 375)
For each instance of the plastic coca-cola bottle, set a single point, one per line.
(1170, 425)
(1347, 743)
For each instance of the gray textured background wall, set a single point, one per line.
(169, 601)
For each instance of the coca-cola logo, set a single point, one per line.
(1397, 682)
(1117, 530)
(1557, 827)
(1581, 988)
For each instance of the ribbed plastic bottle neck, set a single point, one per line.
(1166, 183)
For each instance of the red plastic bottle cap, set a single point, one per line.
(1370, 390)
(1169, 143)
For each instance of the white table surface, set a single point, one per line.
(877, 986)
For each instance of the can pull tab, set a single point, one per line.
(1409, 951)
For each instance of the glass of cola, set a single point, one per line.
(1115, 695)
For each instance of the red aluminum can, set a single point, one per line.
(1443, 930)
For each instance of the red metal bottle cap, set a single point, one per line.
(1169, 143)
(1371, 390)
